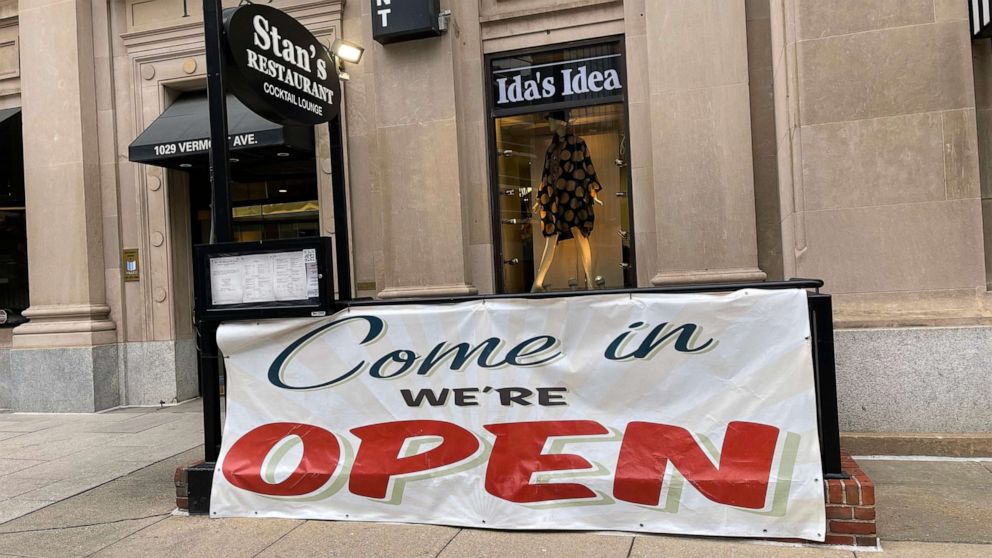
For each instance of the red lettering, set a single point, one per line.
(243, 464)
(378, 456)
(741, 479)
(517, 455)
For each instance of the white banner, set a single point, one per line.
(692, 414)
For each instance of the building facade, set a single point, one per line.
(731, 140)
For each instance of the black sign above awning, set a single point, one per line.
(405, 20)
(180, 137)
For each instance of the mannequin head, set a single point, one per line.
(557, 121)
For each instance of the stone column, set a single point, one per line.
(701, 141)
(65, 358)
(417, 154)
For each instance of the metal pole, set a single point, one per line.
(220, 208)
(339, 197)
(210, 389)
(220, 217)
(825, 370)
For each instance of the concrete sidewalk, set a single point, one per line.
(102, 485)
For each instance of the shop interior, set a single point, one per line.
(521, 149)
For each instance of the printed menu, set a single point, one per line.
(281, 276)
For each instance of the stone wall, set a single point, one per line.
(930, 379)
(878, 158)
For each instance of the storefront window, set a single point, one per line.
(13, 224)
(560, 170)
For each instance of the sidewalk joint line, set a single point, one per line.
(2, 523)
(630, 549)
(281, 537)
(42, 529)
(440, 552)
(105, 547)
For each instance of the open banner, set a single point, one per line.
(691, 414)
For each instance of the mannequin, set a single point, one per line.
(569, 190)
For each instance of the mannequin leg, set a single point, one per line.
(550, 243)
(585, 255)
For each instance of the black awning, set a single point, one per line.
(180, 137)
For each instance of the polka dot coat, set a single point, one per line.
(568, 185)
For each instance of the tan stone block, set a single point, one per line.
(960, 307)
(642, 198)
(111, 253)
(785, 176)
(789, 247)
(420, 201)
(950, 10)
(800, 234)
(790, 74)
(696, 44)
(703, 179)
(757, 9)
(58, 272)
(987, 240)
(984, 121)
(760, 85)
(825, 18)
(776, 19)
(873, 162)
(646, 246)
(768, 214)
(640, 134)
(905, 247)
(9, 64)
(113, 284)
(960, 154)
(638, 83)
(481, 267)
(982, 68)
(635, 21)
(896, 71)
(781, 101)
(414, 83)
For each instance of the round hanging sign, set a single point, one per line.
(277, 68)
